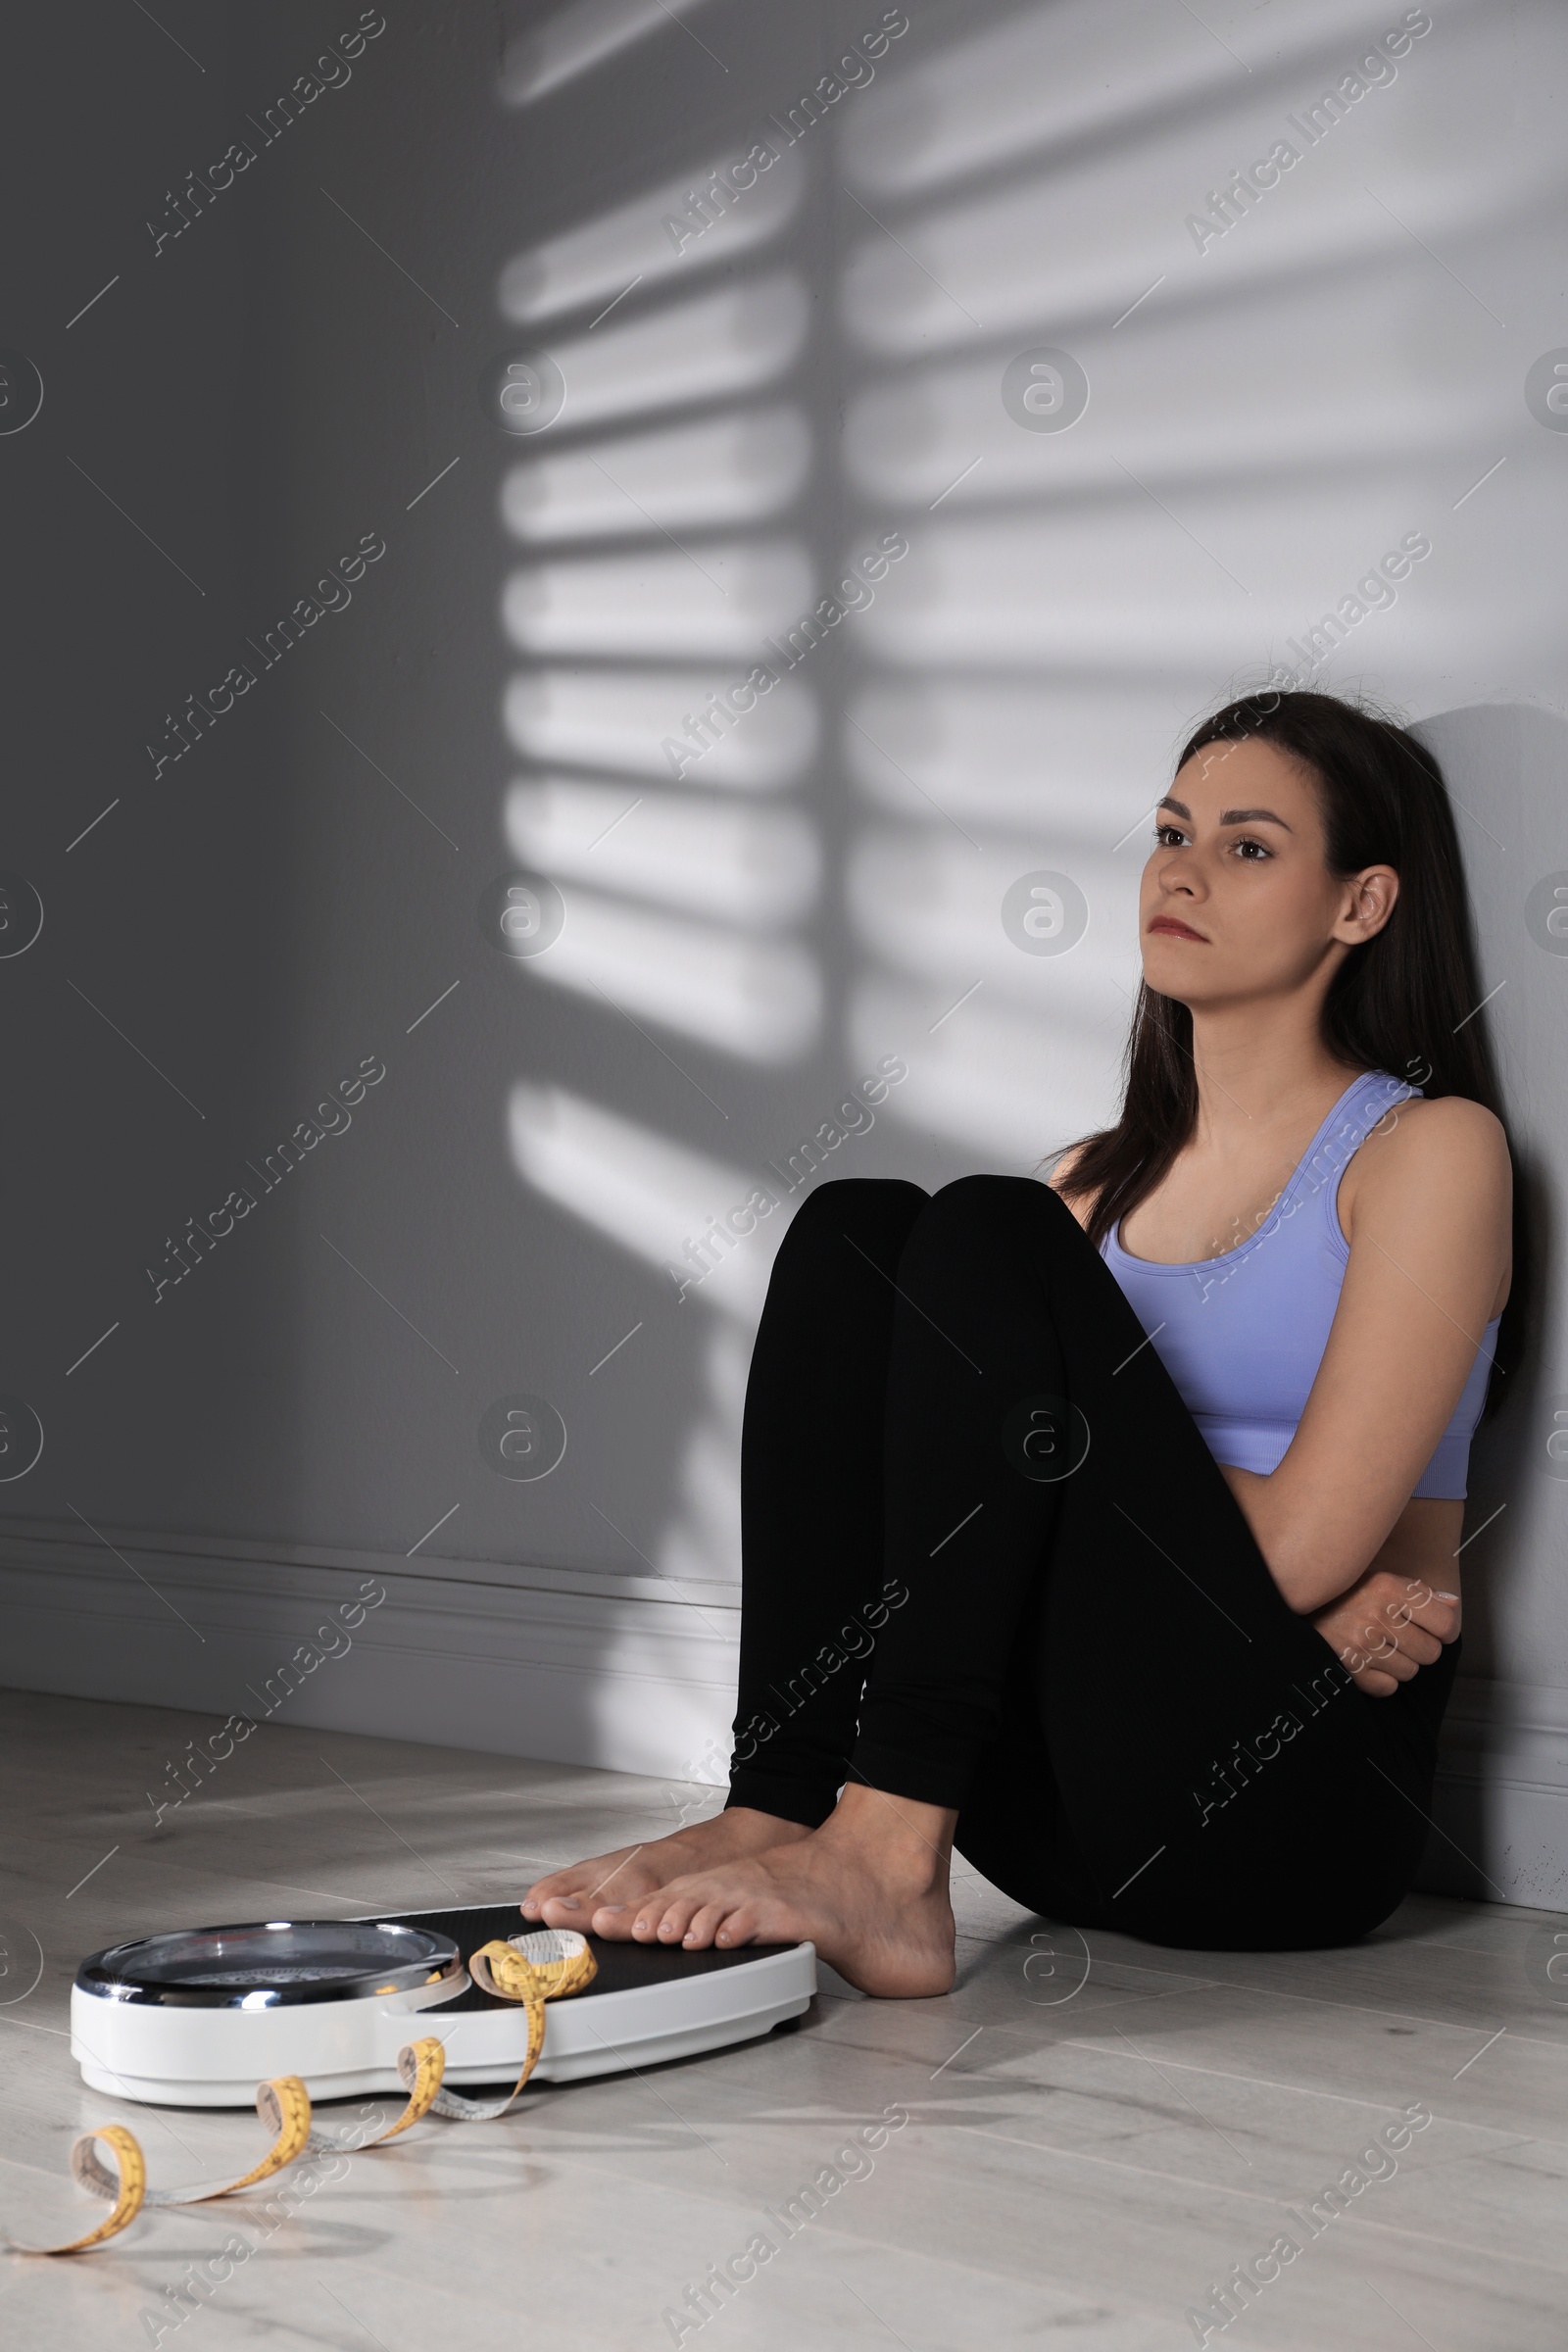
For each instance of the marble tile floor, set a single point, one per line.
(1094, 2138)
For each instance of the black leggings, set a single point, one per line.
(991, 1564)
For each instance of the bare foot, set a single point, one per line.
(869, 1889)
(576, 1897)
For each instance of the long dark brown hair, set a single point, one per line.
(1404, 1001)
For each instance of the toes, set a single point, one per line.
(645, 1925)
(538, 1894)
(676, 1917)
(663, 1915)
(556, 1886)
(612, 1921)
(693, 1913)
(742, 1924)
(572, 1892)
(703, 1925)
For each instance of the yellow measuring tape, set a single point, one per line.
(554, 1963)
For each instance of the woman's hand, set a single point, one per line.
(1386, 1627)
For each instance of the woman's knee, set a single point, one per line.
(874, 1213)
(986, 1207)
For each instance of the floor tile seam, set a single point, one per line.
(1257, 2197)
(1518, 2141)
(354, 2268)
(1200, 1984)
(987, 2025)
(1511, 2136)
(902, 2251)
(863, 2002)
(1120, 2163)
(57, 2174)
(1458, 2245)
(1171, 1992)
(1528, 2042)
(264, 1877)
(1522, 2139)
(1320, 2000)
(1130, 1992)
(499, 2311)
(1187, 1979)
(1307, 2091)
(716, 2198)
(1195, 2066)
(1134, 1993)
(1479, 1951)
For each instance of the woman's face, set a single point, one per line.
(1235, 900)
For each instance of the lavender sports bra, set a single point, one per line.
(1243, 1334)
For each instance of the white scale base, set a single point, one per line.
(678, 2005)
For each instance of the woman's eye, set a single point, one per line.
(1166, 835)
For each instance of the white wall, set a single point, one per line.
(311, 358)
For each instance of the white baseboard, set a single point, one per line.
(626, 1673)
(1501, 1801)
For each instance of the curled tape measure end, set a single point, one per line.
(545, 1966)
(533, 1969)
(421, 2067)
(126, 2187)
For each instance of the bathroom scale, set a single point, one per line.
(199, 2017)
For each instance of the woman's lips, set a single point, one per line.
(1169, 922)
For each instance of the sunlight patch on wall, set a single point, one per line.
(613, 639)
(1001, 1083)
(1054, 763)
(725, 470)
(1113, 595)
(618, 717)
(1282, 413)
(712, 856)
(647, 1195)
(702, 1540)
(575, 38)
(1038, 81)
(660, 601)
(756, 997)
(710, 346)
(1197, 613)
(657, 233)
(935, 916)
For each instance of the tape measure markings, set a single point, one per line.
(548, 1965)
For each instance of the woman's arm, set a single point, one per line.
(1400, 1611)
(1429, 1248)
(1390, 1624)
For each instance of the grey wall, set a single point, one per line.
(1273, 403)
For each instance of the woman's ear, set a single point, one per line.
(1370, 901)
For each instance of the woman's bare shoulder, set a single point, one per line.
(1450, 1136)
(1060, 1180)
(1061, 1177)
(1448, 1156)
